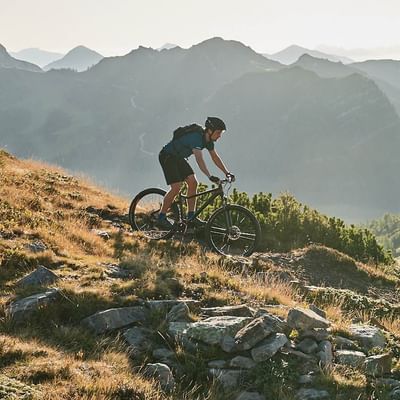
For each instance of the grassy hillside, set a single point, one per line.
(78, 231)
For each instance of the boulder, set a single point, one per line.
(36, 247)
(368, 336)
(41, 276)
(351, 358)
(212, 330)
(317, 310)
(217, 364)
(304, 320)
(317, 334)
(257, 330)
(378, 365)
(308, 346)
(21, 309)
(139, 340)
(242, 362)
(228, 379)
(312, 394)
(325, 353)
(178, 329)
(269, 347)
(161, 373)
(250, 396)
(179, 313)
(342, 343)
(166, 305)
(114, 318)
(241, 310)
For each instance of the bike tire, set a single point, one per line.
(231, 236)
(137, 215)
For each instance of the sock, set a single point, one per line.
(190, 214)
(162, 216)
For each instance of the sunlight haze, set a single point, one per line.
(118, 26)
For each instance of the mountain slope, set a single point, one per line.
(6, 61)
(303, 133)
(76, 232)
(292, 53)
(37, 56)
(79, 59)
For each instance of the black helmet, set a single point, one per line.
(215, 124)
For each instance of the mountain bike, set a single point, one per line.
(230, 230)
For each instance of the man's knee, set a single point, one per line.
(192, 182)
(175, 188)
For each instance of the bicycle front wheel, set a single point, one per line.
(233, 230)
(144, 210)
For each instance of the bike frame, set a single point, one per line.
(217, 192)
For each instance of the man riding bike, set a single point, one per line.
(177, 170)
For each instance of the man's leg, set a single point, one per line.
(170, 197)
(192, 190)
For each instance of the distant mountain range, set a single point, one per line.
(292, 53)
(79, 58)
(37, 56)
(325, 131)
(7, 61)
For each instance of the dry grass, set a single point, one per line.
(39, 202)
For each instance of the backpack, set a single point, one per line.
(184, 130)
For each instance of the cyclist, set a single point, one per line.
(177, 170)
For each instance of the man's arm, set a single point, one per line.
(200, 161)
(218, 162)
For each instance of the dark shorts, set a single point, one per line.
(176, 169)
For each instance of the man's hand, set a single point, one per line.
(214, 179)
(230, 177)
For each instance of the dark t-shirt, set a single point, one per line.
(183, 147)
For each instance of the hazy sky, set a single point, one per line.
(117, 26)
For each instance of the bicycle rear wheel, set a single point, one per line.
(144, 210)
(233, 230)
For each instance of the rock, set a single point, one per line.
(177, 329)
(312, 394)
(139, 340)
(269, 347)
(368, 336)
(307, 379)
(162, 373)
(378, 365)
(307, 346)
(179, 313)
(250, 396)
(36, 247)
(317, 334)
(351, 358)
(162, 353)
(235, 311)
(213, 329)
(115, 271)
(342, 343)
(242, 362)
(317, 310)
(228, 379)
(41, 276)
(228, 344)
(103, 234)
(166, 305)
(257, 330)
(298, 353)
(303, 319)
(217, 364)
(325, 353)
(114, 318)
(21, 309)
